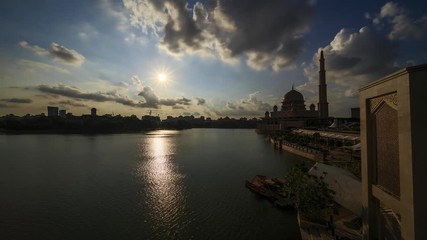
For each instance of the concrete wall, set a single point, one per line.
(404, 91)
(303, 152)
(418, 129)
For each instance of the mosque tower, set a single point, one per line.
(323, 99)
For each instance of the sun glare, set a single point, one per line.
(161, 77)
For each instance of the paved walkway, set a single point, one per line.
(315, 231)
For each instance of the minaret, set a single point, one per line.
(323, 96)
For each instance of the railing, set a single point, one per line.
(302, 148)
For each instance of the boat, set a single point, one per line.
(257, 185)
(271, 189)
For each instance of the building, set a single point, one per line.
(394, 166)
(355, 113)
(63, 113)
(293, 112)
(149, 118)
(52, 111)
(323, 95)
(93, 112)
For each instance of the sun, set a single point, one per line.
(162, 77)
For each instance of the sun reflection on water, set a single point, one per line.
(162, 181)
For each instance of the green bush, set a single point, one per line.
(312, 196)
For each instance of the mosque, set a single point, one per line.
(293, 112)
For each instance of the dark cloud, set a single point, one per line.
(180, 31)
(68, 55)
(17, 100)
(76, 93)
(200, 101)
(153, 101)
(172, 102)
(57, 51)
(275, 42)
(72, 92)
(227, 28)
(353, 59)
(365, 52)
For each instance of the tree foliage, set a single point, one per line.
(312, 195)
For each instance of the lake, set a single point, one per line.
(156, 185)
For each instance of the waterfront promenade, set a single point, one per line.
(316, 146)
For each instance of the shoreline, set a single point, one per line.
(307, 153)
(94, 132)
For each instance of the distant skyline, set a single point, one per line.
(210, 58)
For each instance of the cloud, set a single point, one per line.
(226, 29)
(402, 26)
(76, 93)
(35, 49)
(133, 38)
(5, 106)
(43, 66)
(69, 103)
(67, 55)
(120, 84)
(173, 102)
(137, 82)
(353, 59)
(72, 92)
(56, 51)
(17, 100)
(200, 101)
(390, 9)
(153, 101)
(249, 106)
(231, 105)
(254, 103)
(109, 7)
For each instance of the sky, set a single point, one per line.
(202, 58)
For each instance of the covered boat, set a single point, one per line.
(271, 189)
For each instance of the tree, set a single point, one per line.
(312, 196)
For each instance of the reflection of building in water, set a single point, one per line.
(293, 112)
(394, 166)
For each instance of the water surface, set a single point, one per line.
(157, 185)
